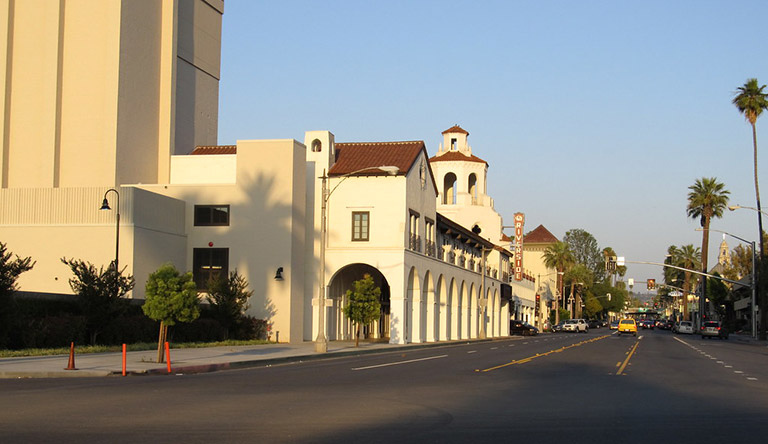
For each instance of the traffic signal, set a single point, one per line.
(610, 264)
(651, 284)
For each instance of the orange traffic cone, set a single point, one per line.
(71, 365)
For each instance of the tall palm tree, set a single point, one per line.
(560, 258)
(707, 198)
(751, 100)
(578, 274)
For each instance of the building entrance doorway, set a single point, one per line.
(340, 328)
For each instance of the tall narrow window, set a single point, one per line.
(453, 144)
(414, 242)
(209, 263)
(449, 189)
(472, 187)
(317, 146)
(429, 235)
(360, 225)
(211, 215)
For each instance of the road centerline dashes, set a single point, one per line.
(539, 355)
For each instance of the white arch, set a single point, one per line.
(473, 311)
(454, 313)
(413, 333)
(449, 189)
(442, 309)
(430, 309)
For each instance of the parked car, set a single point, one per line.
(557, 328)
(684, 327)
(522, 328)
(594, 323)
(576, 325)
(628, 326)
(713, 329)
(614, 325)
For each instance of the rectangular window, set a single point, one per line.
(360, 225)
(209, 263)
(211, 215)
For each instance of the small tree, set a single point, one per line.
(10, 269)
(228, 297)
(592, 307)
(99, 293)
(363, 303)
(171, 297)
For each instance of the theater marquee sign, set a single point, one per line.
(519, 222)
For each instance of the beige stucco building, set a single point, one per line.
(129, 102)
(101, 93)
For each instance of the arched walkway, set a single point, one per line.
(338, 326)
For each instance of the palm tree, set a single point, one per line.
(578, 274)
(708, 198)
(559, 257)
(688, 257)
(751, 100)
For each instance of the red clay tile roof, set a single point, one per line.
(456, 129)
(456, 156)
(352, 157)
(215, 149)
(540, 235)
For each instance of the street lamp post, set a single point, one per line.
(557, 299)
(321, 342)
(763, 297)
(752, 278)
(105, 206)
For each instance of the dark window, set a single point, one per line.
(209, 215)
(360, 225)
(209, 263)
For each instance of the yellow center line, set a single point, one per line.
(626, 361)
(538, 355)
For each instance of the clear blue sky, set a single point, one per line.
(591, 114)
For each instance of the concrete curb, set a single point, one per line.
(232, 365)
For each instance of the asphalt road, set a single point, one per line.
(565, 388)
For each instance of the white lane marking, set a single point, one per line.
(752, 379)
(494, 348)
(738, 371)
(728, 366)
(512, 345)
(474, 351)
(400, 362)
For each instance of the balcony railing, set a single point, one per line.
(430, 249)
(415, 243)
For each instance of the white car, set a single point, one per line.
(576, 325)
(685, 327)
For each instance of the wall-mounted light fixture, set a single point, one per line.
(279, 274)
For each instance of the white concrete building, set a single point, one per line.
(130, 102)
(256, 208)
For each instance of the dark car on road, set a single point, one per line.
(522, 328)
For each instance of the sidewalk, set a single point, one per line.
(192, 360)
